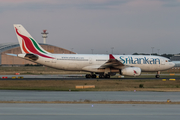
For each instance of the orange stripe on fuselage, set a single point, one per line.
(24, 47)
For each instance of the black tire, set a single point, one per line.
(101, 76)
(88, 76)
(157, 76)
(93, 75)
(107, 76)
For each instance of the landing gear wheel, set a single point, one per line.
(157, 76)
(88, 75)
(107, 76)
(101, 76)
(93, 75)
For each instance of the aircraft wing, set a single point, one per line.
(112, 63)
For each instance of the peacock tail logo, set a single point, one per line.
(31, 46)
(135, 72)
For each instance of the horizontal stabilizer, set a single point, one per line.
(31, 57)
(11, 54)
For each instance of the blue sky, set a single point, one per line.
(127, 25)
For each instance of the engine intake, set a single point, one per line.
(130, 71)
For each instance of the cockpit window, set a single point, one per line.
(168, 60)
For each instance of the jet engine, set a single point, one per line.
(130, 71)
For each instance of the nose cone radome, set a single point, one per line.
(172, 64)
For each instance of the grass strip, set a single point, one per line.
(100, 85)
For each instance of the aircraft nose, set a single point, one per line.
(172, 64)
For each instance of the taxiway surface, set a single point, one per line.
(27, 95)
(89, 112)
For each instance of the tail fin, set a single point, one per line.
(27, 42)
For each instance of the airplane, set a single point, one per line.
(104, 65)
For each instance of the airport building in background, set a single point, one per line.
(14, 48)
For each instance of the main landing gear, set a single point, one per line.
(100, 76)
(90, 76)
(104, 76)
(158, 74)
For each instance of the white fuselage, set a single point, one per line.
(91, 62)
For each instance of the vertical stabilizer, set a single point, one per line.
(27, 42)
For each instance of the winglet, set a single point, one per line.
(111, 56)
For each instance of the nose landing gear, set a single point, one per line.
(158, 74)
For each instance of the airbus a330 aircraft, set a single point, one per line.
(104, 65)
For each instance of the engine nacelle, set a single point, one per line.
(131, 71)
